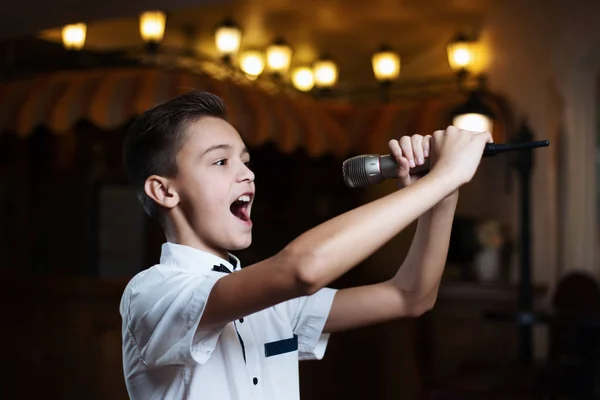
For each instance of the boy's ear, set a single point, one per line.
(160, 189)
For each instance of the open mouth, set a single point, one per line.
(240, 207)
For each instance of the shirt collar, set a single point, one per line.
(195, 259)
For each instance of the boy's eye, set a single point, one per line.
(221, 162)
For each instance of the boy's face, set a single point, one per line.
(215, 185)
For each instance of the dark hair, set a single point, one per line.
(155, 137)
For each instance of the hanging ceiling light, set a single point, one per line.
(386, 64)
(73, 36)
(303, 79)
(279, 55)
(228, 37)
(325, 72)
(461, 54)
(152, 26)
(252, 62)
(474, 114)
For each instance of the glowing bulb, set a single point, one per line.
(252, 62)
(474, 114)
(461, 54)
(473, 122)
(279, 56)
(386, 65)
(228, 38)
(152, 26)
(303, 79)
(461, 57)
(326, 73)
(73, 36)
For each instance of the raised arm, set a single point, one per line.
(329, 250)
(420, 274)
(413, 289)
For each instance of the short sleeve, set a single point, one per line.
(162, 314)
(309, 315)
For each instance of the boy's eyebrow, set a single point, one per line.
(216, 147)
(223, 146)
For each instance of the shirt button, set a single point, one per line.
(255, 381)
(241, 320)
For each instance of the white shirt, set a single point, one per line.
(165, 356)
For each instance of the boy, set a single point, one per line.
(198, 326)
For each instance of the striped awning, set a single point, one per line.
(110, 98)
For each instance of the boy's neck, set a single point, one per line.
(186, 237)
(196, 244)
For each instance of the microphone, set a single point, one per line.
(370, 169)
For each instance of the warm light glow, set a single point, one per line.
(386, 65)
(152, 26)
(326, 73)
(473, 122)
(252, 62)
(461, 54)
(73, 36)
(303, 79)
(279, 56)
(228, 38)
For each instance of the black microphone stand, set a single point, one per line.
(523, 164)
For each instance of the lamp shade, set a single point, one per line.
(474, 114)
(228, 37)
(386, 64)
(303, 79)
(73, 36)
(152, 26)
(252, 62)
(279, 56)
(326, 73)
(461, 53)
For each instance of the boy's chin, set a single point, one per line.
(241, 245)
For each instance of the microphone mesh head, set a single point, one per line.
(358, 171)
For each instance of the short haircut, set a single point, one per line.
(155, 137)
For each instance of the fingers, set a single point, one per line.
(404, 178)
(410, 151)
(407, 150)
(417, 148)
(452, 132)
(403, 164)
(459, 151)
(438, 136)
(395, 149)
(486, 134)
(427, 145)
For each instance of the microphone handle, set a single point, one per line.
(388, 165)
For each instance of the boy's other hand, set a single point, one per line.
(458, 152)
(409, 152)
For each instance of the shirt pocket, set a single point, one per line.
(281, 364)
(283, 346)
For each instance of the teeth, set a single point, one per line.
(245, 198)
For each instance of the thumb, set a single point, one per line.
(487, 136)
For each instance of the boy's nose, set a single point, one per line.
(246, 174)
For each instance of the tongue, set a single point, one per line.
(240, 210)
(243, 213)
